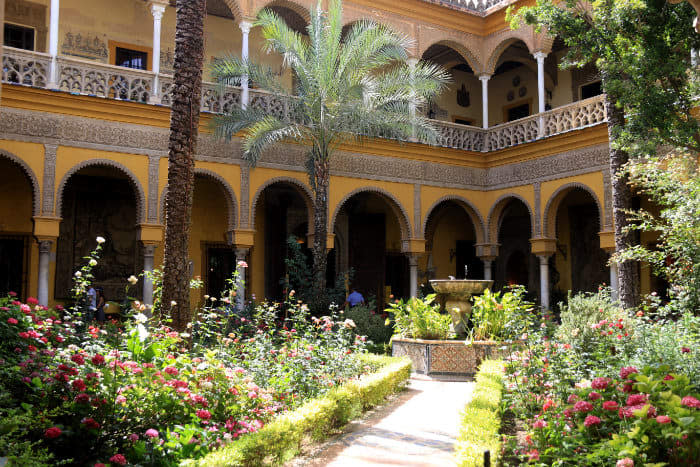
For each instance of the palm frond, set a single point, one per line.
(228, 125)
(280, 38)
(230, 70)
(265, 133)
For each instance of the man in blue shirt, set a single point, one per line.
(355, 298)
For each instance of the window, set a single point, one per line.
(131, 58)
(19, 37)
(519, 111)
(591, 89)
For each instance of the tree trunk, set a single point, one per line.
(628, 272)
(184, 123)
(322, 182)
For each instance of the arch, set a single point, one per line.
(231, 203)
(522, 34)
(36, 191)
(351, 17)
(135, 183)
(394, 203)
(300, 7)
(469, 208)
(235, 7)
(493, 221)
(552, 207)
(467, 54)
(303, 190)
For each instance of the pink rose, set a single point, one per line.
(32, 301)
(594, 396)
(171, 370)
(583, 406)
(610, 405)
(591, 420)
(626, 371)
(637, 399)
(663, 419)
(151, 433)
(539, 424)
(204, 414)
(118, 459)
(626, 462)
(12, 321)
(573, 398)
(600, 383)
(690, 401)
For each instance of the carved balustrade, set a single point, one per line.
(96, 79)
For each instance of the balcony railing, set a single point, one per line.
(96, 79)
(477, 6)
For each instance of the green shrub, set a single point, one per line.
(281, 440)
(493, 314)
(481, 418)
(369, 323)
(581, 312)
(420, 318)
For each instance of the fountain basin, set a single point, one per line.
(446, 358)
(456, 294)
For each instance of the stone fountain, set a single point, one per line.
(456, 294)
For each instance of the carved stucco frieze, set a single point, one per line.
(538, 214)
(49, 179)
(153, 169)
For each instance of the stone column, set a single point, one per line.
(544, 281)
(487, 253)
(241, 265)
(488, 274)
(614, 284)
(53, 44)
(44, 256)
(485, 99)
(413, 273)
(245, 29)
(157, 10)
(540, 56)
(149, 251)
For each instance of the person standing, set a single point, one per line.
(92, 302)
(355, 298)
(100, 305)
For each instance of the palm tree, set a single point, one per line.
(184, 125)
(346, 87)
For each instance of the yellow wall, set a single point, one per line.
(453, 225)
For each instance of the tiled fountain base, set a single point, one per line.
(445, 357)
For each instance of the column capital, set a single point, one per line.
(149, 248)
(413, 258)
(607, 240)
(487, 251)
(540, 56)
(413, 245)
(484, 77)
(45, 244)
(151, 233)
(46, 227)
(241, 252)
(245, 26)
(543, 246)
(243, 238)
(157, 8)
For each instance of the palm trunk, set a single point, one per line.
(184, 124)
(628, 272)
(322, 182)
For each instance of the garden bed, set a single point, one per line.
(446, 357)
(282, 439)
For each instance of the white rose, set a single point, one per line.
(173, 303)
(133, 279)
(100, 240)
(92, 262)
(78, 274)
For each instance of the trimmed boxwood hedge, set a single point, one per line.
(281, 439)
(481, 418)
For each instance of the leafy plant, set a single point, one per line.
(500, 316)
(419, 318)
(369, 323)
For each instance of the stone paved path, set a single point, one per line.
(418, 428)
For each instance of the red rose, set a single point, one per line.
(32, 301)
(663, 419)
(204, 414)
(583, 406)
(626, 371)
(98, 360)
(78, 385)
(90, 423)
(53, 432)
(600, 383)
(594, 396)
(12, 321)
(637, 399)
(77, 358)
(591, 420)
(690, 401)
(118, 459)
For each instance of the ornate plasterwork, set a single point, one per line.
(471, 210)
(537, 186)
(302, 189)
(153, 169)
(550, 210)
(36, 190)
(495, 44)
(392, 201)
(416, 209)
(135, 183)
(245, 197)
(494, 218)
(49, 179)
(607, 199)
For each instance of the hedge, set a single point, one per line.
(481, 418)
(282, 439)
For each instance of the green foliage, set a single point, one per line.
(481, 418)
(369, 323)
(419, 318)
(581, 312)
(672, 183)
(497, 316)
(642, 49)
(317, 419)
(300, 279)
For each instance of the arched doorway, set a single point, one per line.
(16, 208)
(451, 239)
(99, 200)
(369, 228)
(515, 264)
(282, 213)
(581, 263)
